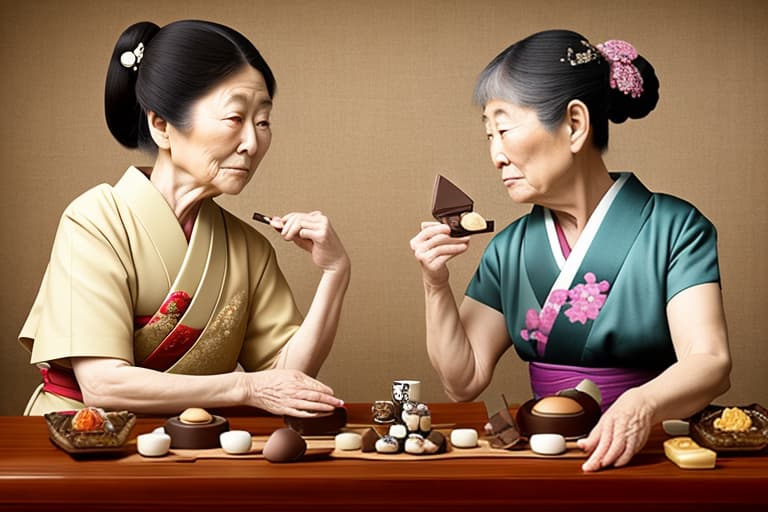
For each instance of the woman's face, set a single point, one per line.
(227, 134)
(532, 159)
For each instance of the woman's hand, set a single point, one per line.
(621, 432)
(433, 246)
(290, 392)
(313, 233)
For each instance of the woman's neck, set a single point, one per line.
(180, 192)
(589, 181)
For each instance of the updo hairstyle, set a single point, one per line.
(181, 62)
(536, 73)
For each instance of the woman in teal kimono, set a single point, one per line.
(157, 299)
(602, 279)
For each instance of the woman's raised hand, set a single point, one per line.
(313, 233)
(433, 246)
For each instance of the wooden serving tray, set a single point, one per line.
(324, 446)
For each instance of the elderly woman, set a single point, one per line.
(155, 298)
(602, 279)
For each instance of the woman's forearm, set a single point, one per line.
(688, 386)
(448, 348)
(312, 342)
(117, 385)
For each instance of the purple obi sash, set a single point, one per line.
(547, 379)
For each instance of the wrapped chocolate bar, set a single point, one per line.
(450, 205)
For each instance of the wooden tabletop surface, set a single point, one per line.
(36, 475)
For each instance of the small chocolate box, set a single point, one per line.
(450, 205)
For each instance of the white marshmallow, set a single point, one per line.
(547, 444)
(153, 444)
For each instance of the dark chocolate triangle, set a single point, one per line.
(448, 199)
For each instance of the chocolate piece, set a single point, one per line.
(435, 442)
(569, 424)
(284, 445)
(369, 438)
(504, 431)
(195, 436)
(261, 218)
(449, 202)
(328, 424)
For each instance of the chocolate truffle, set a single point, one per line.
(284, 445)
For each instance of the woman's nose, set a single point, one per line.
(498, 157)
(249, 143)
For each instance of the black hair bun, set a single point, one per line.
(121, 107)
(624, 106)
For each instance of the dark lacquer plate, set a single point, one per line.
(110, 440)
(703, 430)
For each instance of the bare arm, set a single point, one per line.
(699, 334)
(310, 345)
(115, 384)
(464, 344)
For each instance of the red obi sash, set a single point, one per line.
(60, 381)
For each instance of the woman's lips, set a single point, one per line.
(511, 180)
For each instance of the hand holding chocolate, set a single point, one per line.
(450, 205)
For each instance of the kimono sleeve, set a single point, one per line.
(274, 316)
(693, 257)
(485, 286)
(84, 306)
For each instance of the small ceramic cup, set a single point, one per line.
(406, 391)
(153, 444)
(235, 442)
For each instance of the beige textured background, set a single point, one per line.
(374, 100)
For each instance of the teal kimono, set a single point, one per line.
(647, 248)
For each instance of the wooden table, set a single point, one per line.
(34, 474)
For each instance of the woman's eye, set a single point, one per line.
(235, 119)
(264, 124)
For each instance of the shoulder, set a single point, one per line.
(677, 213)
(96, 207)
(246, 233)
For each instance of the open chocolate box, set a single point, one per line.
(450, 205)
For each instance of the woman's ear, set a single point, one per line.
(158, 129)
(577, 119)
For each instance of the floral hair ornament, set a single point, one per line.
(624, 75)
(132, 59)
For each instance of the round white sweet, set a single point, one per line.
(387, 444)
(348, 441)
(398, 431)
(414, 444)
(547, 444)
(153, 444)
(235, 442)
(464, 438)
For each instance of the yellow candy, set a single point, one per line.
(733, 419)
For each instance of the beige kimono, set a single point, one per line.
(124, 283)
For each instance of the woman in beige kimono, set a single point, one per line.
(155, 298)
